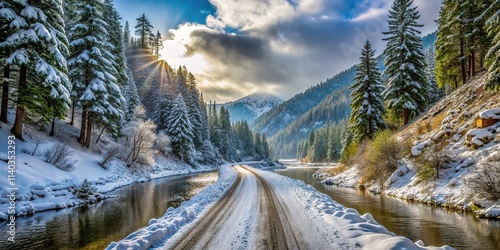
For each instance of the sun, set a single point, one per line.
(174, 53)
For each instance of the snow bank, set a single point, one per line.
(490, 114)
(348, 178)
(331, 218)
(175, 219)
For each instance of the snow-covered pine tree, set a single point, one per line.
(143, 30)
(432, 88)
(405, 61)
(367, 104)
(161, 113)
(215, 131)
(131, 96)
(7, 15)
(113, 121)
(91, 70)
(126, 35)
(158, 44)
(152, 43)
(493, 55)
(192, 100)
(265, 147)
(37, 43)
(259, 148)
(180, 129)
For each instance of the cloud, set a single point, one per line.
(282, 46)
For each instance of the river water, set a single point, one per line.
(433, 225)
(95, 226)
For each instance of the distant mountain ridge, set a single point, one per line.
(324, 103)
(251, 106)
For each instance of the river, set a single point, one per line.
(95, 226)
(433, 225)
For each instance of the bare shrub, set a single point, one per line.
(433, 159)
(111, 151)
(485, 180)
(138, 140)
(60, 156)
(38, 139)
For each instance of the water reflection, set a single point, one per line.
(95, 226)
(434, 226)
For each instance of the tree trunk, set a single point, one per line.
(72, 122)
(99, 136)
(462, 58)
(406, 116)
(52, 129)
(89, 132)
(5, 93)
(17, 128)
(83, 128)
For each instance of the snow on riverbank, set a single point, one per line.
(42, 186)
(175, 219)
(340, 227)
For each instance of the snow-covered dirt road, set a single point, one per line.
(248, 208)
(251, 203)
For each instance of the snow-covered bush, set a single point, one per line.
(60, 156)
(137, 142)
(162, 144)
(85, 190)
(485, 180)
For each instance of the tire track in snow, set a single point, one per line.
(212, 221)
(275, 231)
(270, 228)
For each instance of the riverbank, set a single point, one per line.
(449, 192)
(39, 186)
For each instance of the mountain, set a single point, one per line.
(251, 106)
(324, 103)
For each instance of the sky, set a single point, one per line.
(238, 47)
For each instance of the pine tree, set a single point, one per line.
(143, 30)
(37, 43)
(126, 35)
(158, 44)
(192, 100)
(405, 62)
(367, 105)
(265, 147)
(493, 55)
(450, 62)
(432, 88)
(180, 129)
(92, 70)
(7, 15)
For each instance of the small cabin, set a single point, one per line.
(485, 122)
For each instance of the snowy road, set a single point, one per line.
(248, 208)
(251, 203)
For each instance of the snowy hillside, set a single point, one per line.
(251, 106)
(43, 186)
(470, 154)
